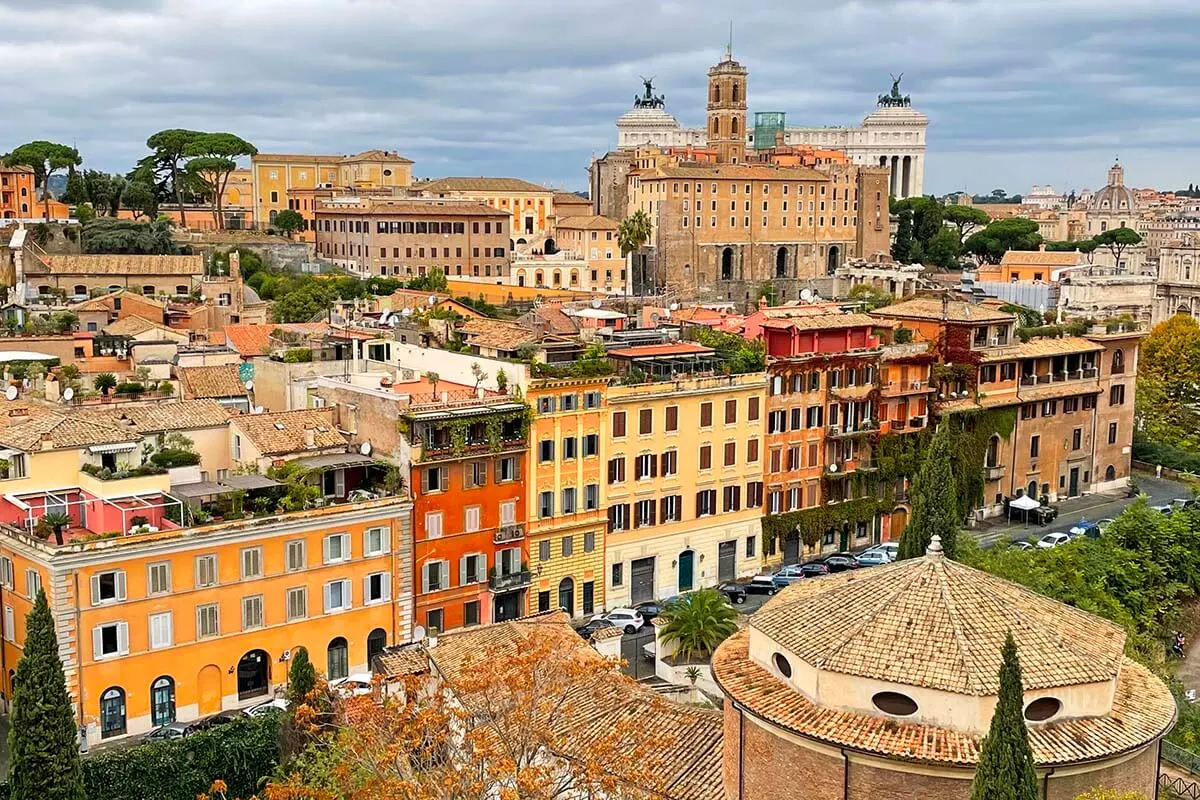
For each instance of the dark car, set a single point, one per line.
(840, 562)
(652, 608)
(172, 730)
(762, 584)
(814, 569)
(1043, 515)
(595, 625)
(735, 593)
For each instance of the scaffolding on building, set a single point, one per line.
(768, 126)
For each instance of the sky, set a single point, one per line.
(1017, 92)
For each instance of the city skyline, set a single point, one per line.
(477, 88)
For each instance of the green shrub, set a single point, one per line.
(174, 457)
(130, 387)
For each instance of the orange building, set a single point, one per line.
(468, 481)
(17, 198)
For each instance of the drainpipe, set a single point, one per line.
(742, 755)
(845, 774)
(78, 647)
(1046, 784)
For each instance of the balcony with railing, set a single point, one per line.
(506, 582)
(997, 472)
(508, 533)
(859, 428)
(900, 388)
(1061, 376)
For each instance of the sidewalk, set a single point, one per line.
(1093, 507)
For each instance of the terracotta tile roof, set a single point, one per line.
(134, 325)
(1057, 390)
(936, 623)
(930, 308)
(62, 431)
(314, 159)
(1041, 347)
(159, 417)
(92, 265)
(654, 350)
(405, 207)
(104, 302)
(557, 321)
(593, 222)
(899, 352)
(493, 334)
(449, 185)
(377, 155)
(822, 322)
(210, 382)
(1041, 258)
(284, 432)
(1143, 710)
(402, 660)
(254, 340)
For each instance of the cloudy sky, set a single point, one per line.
(1018, 92)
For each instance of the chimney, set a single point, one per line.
(235, 264)
(310, 437)
(762, 303)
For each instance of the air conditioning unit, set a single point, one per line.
(916, 385)
(994, 341)
(834, 430)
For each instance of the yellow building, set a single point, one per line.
(683, 488)
(531, 206)
(593, 239)
(282, 181)
(566, 518)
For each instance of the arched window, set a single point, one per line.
(566, 596)
(781, 263)
(337, 659)
(735, 91)
(112, 712)
(162, 701)
(716, 92)
(715, 129)
(727, 264)
(1110, 474)
(993, 452)
(44, 290)
(376, 642)
(80, 290)
(1118, 362)
(734, 126)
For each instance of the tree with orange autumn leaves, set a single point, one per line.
(529, 719)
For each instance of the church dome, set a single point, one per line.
(1115, 197)
(902, 662)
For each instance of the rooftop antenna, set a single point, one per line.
(729, 44)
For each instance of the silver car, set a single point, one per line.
(874, 558)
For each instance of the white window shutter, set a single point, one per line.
(325, 548)
(122, 637)
(328, 598)
(169, 620)
(366, 589)
(120, 581)
(339, 480)
(97, 643)
(346, 547)
(346, 594)
(424, 577)
(387, 586)
(462, 571)
(95, 590)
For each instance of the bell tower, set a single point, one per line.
(727, 108)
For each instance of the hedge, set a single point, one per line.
(1169, 456)
(242, 753)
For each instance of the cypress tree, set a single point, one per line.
(902, 246)
(302, 677)
(1005, 770)
(934, 501)
(43, 742)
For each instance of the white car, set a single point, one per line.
(356, 685)
(891, 548)
(274, 704)
(874, 558)
(1052, 540)
(626, 619)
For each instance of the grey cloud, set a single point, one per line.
(1017, 92)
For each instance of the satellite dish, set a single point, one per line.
(654, 316)
(256, 410)
(673, 307)
(596, 304)
(806, 295)
(365, 448)
(68, 393)
(203, 298)
(406, 312)
(419, 633)
(249, 386)
(11, 393)
(833, 467)
(432, 299)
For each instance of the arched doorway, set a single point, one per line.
(832, 259)
(898, 523)
(337, 657)
(1031, 490)
(781, 265)
(208, 689)
(376, 642)
(566, 596)
(253, 674)
(1110, 474)
(687, 570)
(162, 701)
(727, 264)
(550, 247)
(112, 712)
(520, 279)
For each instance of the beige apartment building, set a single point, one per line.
(593, 239)
(406, 237)
(530, 207)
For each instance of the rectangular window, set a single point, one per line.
(375, 541)
(111, 639)
(545, 405)
(618, 517)
(776, 461)
(568, 545)
(616, 470)
(646, 421)
(775, 501)
(644, 514)
(1029, 411)
(751, 546)
(108, 587)
(589, 542)
(546, 450)
(471, 519)
(297, 603)
(752, 409)
(1112, 433)
(296, 555)
(617, 576)
(672, 508)
(591, 399)
(1116, 395)
(672, 419)
(546, 505)
(377, 588)
(669, 462)
(752, 451)
(474, 474)
(645, 466)
(161, 631)
(1077, 438)
(754, 494)
(436, 479)
(797, 421)
(337, 548)
(6, 572)
(730, 412)
(731, 497)
(589, 597)
(730, 453)
(251, 562)
(591, 444)
(569, 447)
(337, 595)
(569, 402)
(568, 501)
(544, 550)
(706, 456)
(208, 621)
(1034, 443)
(158, 578)
(591, 497)
(706, 411)
(508, 469)
(508, 512)
(433, 621)
(470, 613)
(618, 424)
(706, 502)
(252, 612)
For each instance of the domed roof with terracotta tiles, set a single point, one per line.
(936, 623)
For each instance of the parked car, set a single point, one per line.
(874, 558)
(788, 575)
(1021, 544)
(1181, 503)
(814, 569)
(840, 562)
(1168, 510)
(1043, 515)
(652, 608)
(1104, 523)
(891, 548)
(172, 730)
(735, 593)
(216, 719)
(594, 625)
(1052, 540)
(356, 685)
(650, 649)
(762, 584)
(274, 704)
(627, 619)
(1084, 528)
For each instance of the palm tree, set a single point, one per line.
(697, 623)
(633, 232)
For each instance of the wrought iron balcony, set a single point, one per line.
(510, 581)
(508, 533)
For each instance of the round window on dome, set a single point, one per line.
(1043, 709)
(894, 703)
(782, 664)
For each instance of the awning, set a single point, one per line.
(201, 489)
(1024, 503)
(118, 447)
(249, 482)
(336, 460)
